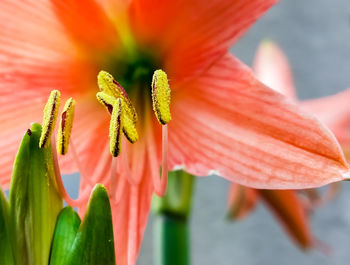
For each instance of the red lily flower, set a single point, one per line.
(223, 119)
(272, 68)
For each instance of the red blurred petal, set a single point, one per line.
(192, 33)
(241, 201)
(86, 23)
(130, 213)
(229, 122)
(291, 214)
(272, 68)
(35, 58)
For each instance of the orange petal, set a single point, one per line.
(228, 123)
(16, 114)
(271, 66)
(86, 23)
(129, 219)
(36, 57)
(291, 214)
(191, 33)
(241, 201)
(130, 213)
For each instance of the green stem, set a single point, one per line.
(171, 226)
(171, 241)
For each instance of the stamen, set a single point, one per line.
(115, 128)
(106, 100)
(161, 96)
(117, 186)
(65, 128)
(159, 182)
(129, 129)
(128, 125)
(107, 84)
(164, 177)
(50, 117)
(62, 190)
(138, 160)
(113, 178)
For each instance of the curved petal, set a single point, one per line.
(130, 215)
(86, 23)
(334, 111)
(130, 202)
(16, 114)
(290, 213)
(228, 123)
(241, 201)
(193, 34)
(272, 68)
(35, 58)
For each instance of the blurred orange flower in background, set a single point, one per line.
(272, 68)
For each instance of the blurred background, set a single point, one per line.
(315, 35)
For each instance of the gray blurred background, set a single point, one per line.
(315, 35)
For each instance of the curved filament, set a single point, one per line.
(159, 182)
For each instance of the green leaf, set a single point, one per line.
(67, 226)
(6, 256)
(34, 201)
(94, 244)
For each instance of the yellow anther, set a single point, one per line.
(115, 128)
(107, 84)
(50, 117)
(128, 124)
(106, 100)
(129, 129)
(65, 128)
(161, 96)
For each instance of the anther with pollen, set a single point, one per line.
(108, 85)
(161, 106)
(65, 127)
(161, 96)
(111, 92)
(50, 117)
(115, 128)
(128, 124)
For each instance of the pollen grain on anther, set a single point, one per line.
(50, 117)
(65, 128)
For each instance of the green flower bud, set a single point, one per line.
(34, 201)
(67, 226)
(6, 256)
(94, 243)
